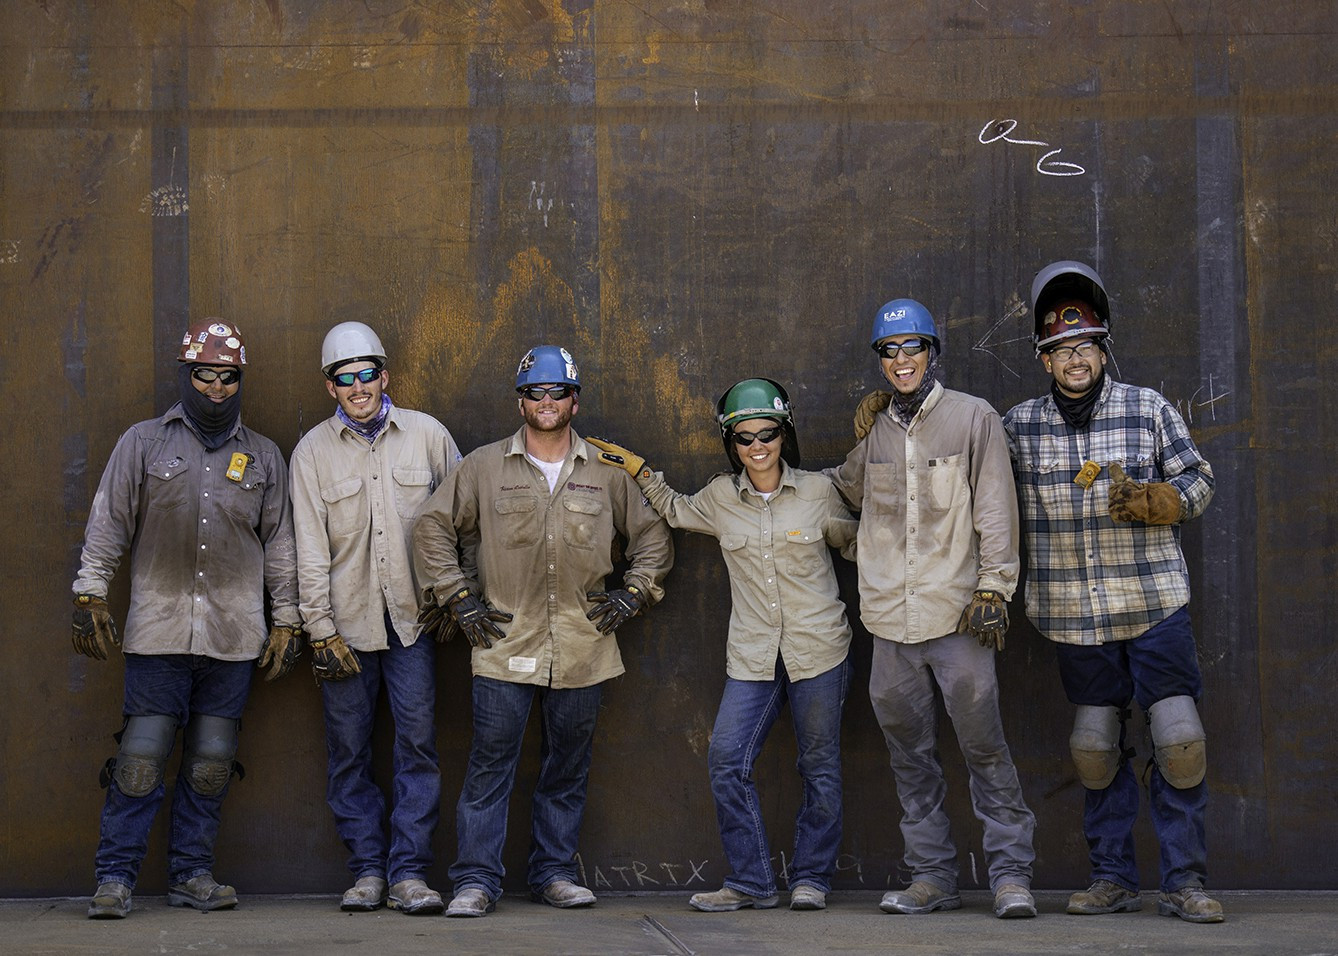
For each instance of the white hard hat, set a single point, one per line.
(351, 342)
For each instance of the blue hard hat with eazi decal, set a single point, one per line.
(902, 317)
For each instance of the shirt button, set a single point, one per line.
(771, 580)
(374, 477)
(552, 597)
(207, 468)
(206, 494)
(912, 497)
(550, 537)
(204, 521)
(202, 548)
(773, 603)
(199, 574)
(550, 567)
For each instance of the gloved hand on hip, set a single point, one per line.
(614, 608)
(477, 620)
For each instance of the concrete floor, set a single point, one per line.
(1278, 924)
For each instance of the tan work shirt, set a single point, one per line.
(204, 548)
(938, 515)
(354, 505)
(784, 598)
(539, 554)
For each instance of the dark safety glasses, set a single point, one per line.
(765, 437)
(346, 379)
(557, 393)
(228, 376)
(913, 347)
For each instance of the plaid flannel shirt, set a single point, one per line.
(1091, 579)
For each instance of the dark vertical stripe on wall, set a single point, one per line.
(169, 207)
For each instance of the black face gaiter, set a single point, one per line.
(1078, 411)
(212, 423)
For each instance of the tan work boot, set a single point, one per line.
(1103, 896)
(1192, 904)
(203, 893)
(920, 897)
(111, 900)
(367, 894)
(726, 900)
(807, 897)
(415, 898)
(1013, 901)
(564, 894)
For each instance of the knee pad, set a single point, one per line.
(211, 745)
(145, 744)
(1177, 735)
(1095, 745)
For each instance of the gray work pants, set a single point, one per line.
(901, 687)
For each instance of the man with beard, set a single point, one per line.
(1106, 473)
(938, 562)
(359, 478)
(541, 514)
(201, 503)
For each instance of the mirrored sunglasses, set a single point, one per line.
(913, 347)
(765, 437)
(228, 376)
(366, 376)
(557, 393)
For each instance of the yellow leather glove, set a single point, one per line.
(93, 630)
(281, 650)
(620, 457)
(1153, 502)
(332, 659)
(866, 413)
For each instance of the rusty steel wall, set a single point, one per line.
(684, 194)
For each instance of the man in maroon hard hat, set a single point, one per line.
(201, 503)
(1106, 473)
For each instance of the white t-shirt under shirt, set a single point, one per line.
(551, 470)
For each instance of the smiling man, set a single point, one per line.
(542, 514)
(359, 479)
(1107, 473)
(200, 501)
(938, 562)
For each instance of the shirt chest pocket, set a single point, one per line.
(345, 506)
(805, 552)
(518, 521)
(243, 499)
(947, 480)
(884, 492)
(412, 488)
(169, 488)
(583, 522)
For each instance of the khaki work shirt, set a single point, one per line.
(204, 548)
(784, 598)
(354, 504)
(539, 554)
(938, 515)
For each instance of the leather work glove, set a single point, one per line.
(614, 608)
(94, 630)
(866, 413)
(1153, 502)
(281, 650)
(435, 621)
(620, 457)
(332, 659)
(987, 618)
(476, 619)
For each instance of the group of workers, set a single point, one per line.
(381, 540)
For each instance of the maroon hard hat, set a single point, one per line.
(212, 341)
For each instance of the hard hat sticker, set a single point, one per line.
(218, 328)
(232, 342)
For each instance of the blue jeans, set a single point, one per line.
(408, 675)
(1160, 663)
(902, 679)
(567, 725)
(748, 710)
(178, 686)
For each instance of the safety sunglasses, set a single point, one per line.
(228, 376)
(366, 376)
(557, 393)
(913, 347)
(765, 437)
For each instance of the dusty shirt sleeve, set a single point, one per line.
(112, 518)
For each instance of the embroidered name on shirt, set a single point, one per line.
(515, 488)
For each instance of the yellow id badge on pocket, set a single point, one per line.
(237, 466)
(1087, 474)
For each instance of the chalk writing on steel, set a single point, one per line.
(996, 130)
(990, 347)
(537, 198)
(9, 251)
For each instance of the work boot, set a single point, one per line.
(1013, 901)
(564, 894)
(110, 901)
(920, 897)
(368, 893)
(805, 897)
(1103, 896)
(1192, 904)
(470, 901)
(726, 900)
(415, 898)
(203, 893)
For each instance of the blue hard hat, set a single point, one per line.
(547, 365)
(903, 317)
